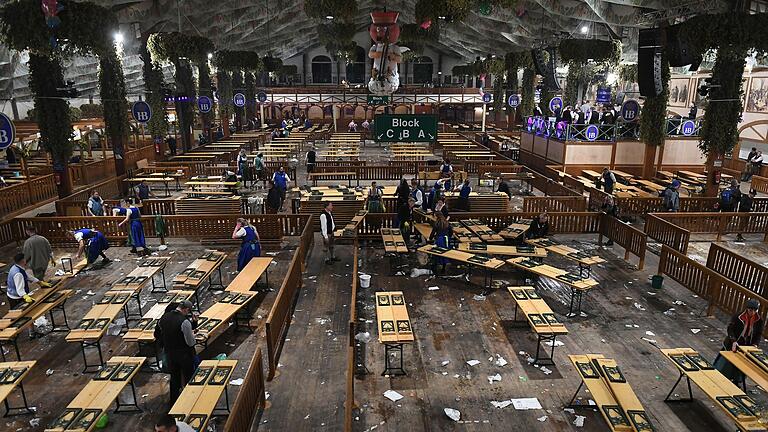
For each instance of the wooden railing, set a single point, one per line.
(667, 233)
(251, 399)
(631, 239)
(719, 291)
(640, 206)
(279, 316)
(349, 402)
(719, 223)
(738, 268)
(554, 204)
(132, 156)
(73, 205)
(17, 198)
(596, 199)
(760, 184)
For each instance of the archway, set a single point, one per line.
(321, 69)
(356, 69)
(422, 70)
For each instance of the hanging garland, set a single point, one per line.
(153, 86)
(224, 85)
(238, 60)
(91, 110)
(52, 114)
(112, 89)
(250, 95)
(204, 89)
(237, 86)
(338, 39)
(272, 64)
(654, 116)
(527, 92)
(582, 51)
(733, 35)
(628, 73)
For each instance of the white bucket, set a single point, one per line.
(365, 280)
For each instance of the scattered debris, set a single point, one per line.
(453, 414)
(695, 331)
(542, 419)
(500, 361)
(493, 378)
(649, 333)
(433, 288)
(579, 421)
(393, 395)
(502, 404)
(478, 297)
(473, 362)
(556, 343)
(526, 403)
(49, 372)
(236, 382)
(445, 362)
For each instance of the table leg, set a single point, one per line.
(24, 409)
(389, 368)
(690, 393)
(164, 287)
(97, 345)
(134, 404)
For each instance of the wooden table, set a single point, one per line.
(152, 179)
(515, 230)
(394, 329)
(752, 362)
(350, 229)
(650, 186)
(592, 175)
(96, 397)
(174, 175)
(584, 260)
(348, 175)
(46, 301)
(488, 264)
(577, 284)
(482, 230)
(211, 184)
(540, 318)
(612, 394)
(94, 325)
(723, 393)
(464, 234)
(198, 400)
(11, 376)
(215, 320)
(489, 249)
(201, 269)
(143, 274)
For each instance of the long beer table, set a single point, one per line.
(539, 317)
(394, 327)
(488, 264)
(11, 376)
(198, 400)
(200, 270)
(584, 260)
(576, 283)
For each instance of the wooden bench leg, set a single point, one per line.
(96, 345)
(389, 368)
(134, 405)
(24, 409)
(538, 360)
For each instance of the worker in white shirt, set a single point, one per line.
(327, 227)
(18, 282)
(166, 423)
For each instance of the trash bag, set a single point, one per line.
(102, 422)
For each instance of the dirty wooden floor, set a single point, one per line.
(452, 325)
(49, 394)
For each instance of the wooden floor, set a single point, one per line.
(451, 324)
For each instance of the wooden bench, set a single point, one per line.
(154, 179)
(577, 284)
(394, 328)
(584, 260)
(96, 397)
(202, 268)
(198, 400)
(95, 323)
(46, 301)
(752, 362)
(464, 234)
(723, 393)
(612, 394)
(11, 376)
(347, 175)
(215, 320)
(516, 230)
(540, 318)
(489, 249)
(393, 241)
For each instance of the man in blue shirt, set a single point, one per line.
(282, 181)
(18, 282)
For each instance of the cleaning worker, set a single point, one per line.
(18, 282)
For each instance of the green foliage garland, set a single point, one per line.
(153, 87)
(527, 90)
(224, 85)
(654, 114)
(204, 89)
(172, 46)
(581, 51)
(185, 85)
(112, 90)
(416, 38)
(237, 86)
(52, 114)
(628, 73)
(91, 111)
(237, 60)
(272, 64)
(250, 95)
(337, 37)
(719, 130)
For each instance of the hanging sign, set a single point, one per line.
(487, 97)
(7, 132)
(239, 100)
(630, 110)
(556, 104)
(204, 104)
(513, 100)
(141, 111)
(603, 94)
(261, 97)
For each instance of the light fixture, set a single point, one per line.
(118, 37)
(210, 56)
(584, 29)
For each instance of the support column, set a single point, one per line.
(485, 111)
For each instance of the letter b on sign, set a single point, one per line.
(7, 132)
(141, 112)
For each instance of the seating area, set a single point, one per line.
(426, 215)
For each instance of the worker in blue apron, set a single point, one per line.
(281, 180)
(441, 235)
(463, 202)
(446, 172)
(250, 247)
(135, 229)
(93, 243)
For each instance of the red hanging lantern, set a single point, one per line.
(384, 27)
